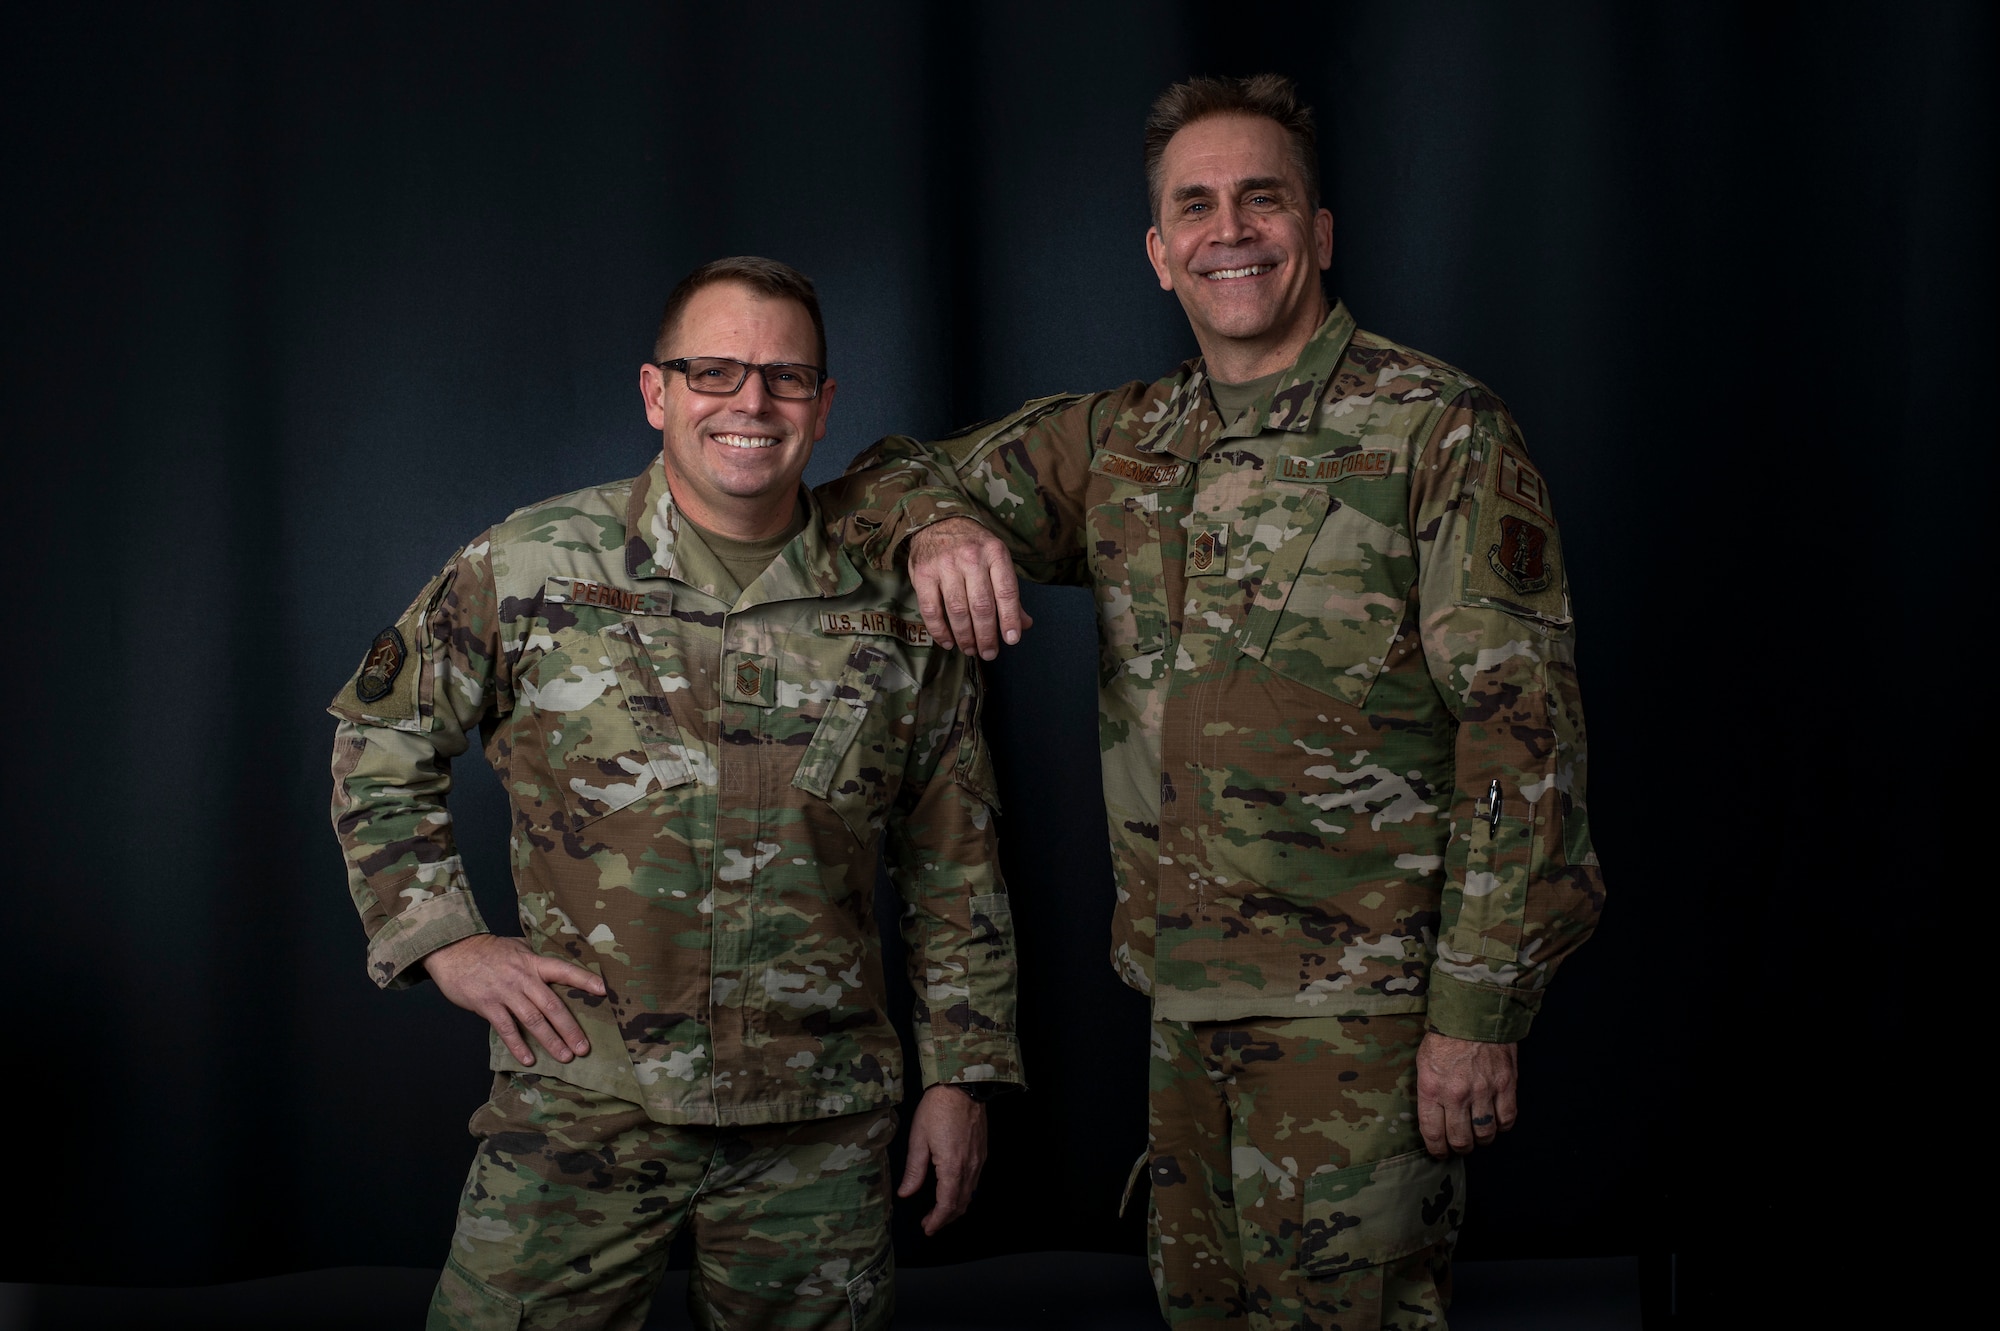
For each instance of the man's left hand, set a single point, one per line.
(1465, 1093)
(949, 1131)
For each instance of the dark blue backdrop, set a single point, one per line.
(303, 297)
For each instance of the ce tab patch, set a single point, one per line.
(1515, 556)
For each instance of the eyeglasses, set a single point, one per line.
(722, 376)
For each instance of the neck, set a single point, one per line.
(743, 520)
(1239, 360)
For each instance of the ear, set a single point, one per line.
(653, 391)
(825, 405)
(1156, 254)
(1323, 238)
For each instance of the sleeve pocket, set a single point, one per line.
(1367, 1215)
(1493, 867)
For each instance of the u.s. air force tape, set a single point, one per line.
(878, 622)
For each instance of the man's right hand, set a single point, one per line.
(507, 982)
(966, 587)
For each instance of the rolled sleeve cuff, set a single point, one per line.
(1487, 1012)
(419, 931)
(994, 1058)
(913, 512)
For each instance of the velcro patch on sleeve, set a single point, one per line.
(1336, 467)
(879, 623)
(1138, 472)
(387, 656)
(388, 687)
(1515, 556)
(1520, 482)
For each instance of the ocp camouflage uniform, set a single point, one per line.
(699, 783)
(1343, 767)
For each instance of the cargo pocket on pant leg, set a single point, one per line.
(463, 1303)
(871, 1294)
(1373, 1214)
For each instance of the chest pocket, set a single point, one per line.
(605, 733)
(1126, 526)
(1333, 597)
(855, 758)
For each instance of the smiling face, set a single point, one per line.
(1240, 243)
(734, 462)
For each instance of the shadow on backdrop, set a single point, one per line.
(302, 300)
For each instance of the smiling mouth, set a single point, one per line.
(745, 440)
(1253, 270)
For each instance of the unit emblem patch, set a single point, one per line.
(1520, 557)
(383, 663)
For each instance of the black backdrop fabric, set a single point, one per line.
(303, 297)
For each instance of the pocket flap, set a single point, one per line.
(1366, 1215)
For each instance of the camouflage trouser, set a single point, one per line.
(574, 1197)
(1289, 1183)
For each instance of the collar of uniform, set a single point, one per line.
(812, 565)
(1295, 398)
(1183, 424)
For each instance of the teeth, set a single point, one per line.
(745, 440)
(1252, 271)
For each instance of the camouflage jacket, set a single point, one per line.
(1342, 750)
(699, 786)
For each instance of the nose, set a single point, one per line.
(753, 398)
(1232, 223)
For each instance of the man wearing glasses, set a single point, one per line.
(707, 718)
(1343, 753)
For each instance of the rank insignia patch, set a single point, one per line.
(383, 663)
(749, 679)
(1201, 553)
(1520, 482)
(1520, 558)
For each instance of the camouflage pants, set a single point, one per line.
(574, 1197)
(1289, 1183)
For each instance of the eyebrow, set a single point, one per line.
(1272, 183)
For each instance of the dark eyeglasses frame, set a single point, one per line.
(764, 371)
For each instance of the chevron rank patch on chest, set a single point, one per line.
(1207, 546)
(878, 622)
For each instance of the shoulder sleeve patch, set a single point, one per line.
(389, 688)
(1514, 560)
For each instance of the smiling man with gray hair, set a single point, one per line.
(1343, 754)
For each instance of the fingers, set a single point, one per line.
(510, 1035)
(1465, 1093)
(930, 604)
(966, 588)
(953, 1193)
(549, 1020)
(557, 971)
(1009, 619)
(918, 1164)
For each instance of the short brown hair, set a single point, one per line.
(766, 277)
(1271, 96)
